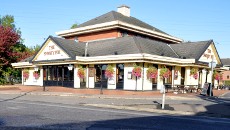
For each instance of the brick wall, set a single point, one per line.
(226, 74)
(98, 35)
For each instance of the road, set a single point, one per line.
(56, 112)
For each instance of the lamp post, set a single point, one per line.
(212, 65)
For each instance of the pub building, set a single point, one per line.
(80, 57)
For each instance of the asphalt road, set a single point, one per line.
(55, 112)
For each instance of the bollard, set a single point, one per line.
(163, 98)
(44, 88)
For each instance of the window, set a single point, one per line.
(228, 77)
(124, 34)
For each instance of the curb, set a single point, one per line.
(99, 96)
(141, 109)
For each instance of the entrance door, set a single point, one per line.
(182, 75)
(119, 76)
(100, 78)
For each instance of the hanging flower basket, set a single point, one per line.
(26, 74)
(81, 72)
(217, 76)
(152, 72)
(109, 71)
(36, 74)
(165, 72)
(194, 73)
(136, 71)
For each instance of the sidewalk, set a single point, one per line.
(188, 108)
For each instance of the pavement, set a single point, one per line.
(178, 104)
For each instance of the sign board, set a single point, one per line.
(91, 72)
(111, 81)
(205, 89)
(129, 75)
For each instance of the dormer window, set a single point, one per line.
(76, 39)
(124, 34)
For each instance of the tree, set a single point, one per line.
(8, 39)
(74, 26)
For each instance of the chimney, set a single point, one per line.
(124, 9)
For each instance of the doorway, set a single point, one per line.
(100, 78)
(182, 75)
(119, 76)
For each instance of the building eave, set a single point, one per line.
(114, 25)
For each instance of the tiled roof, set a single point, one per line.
(120, 46)
(133, 45)
(70, 46)
(226, 61)
(191, 50)
(28, 59)
(113, 16)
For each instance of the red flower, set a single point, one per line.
(109, 71)
(81, 73)
(152, 72)
(26, 74)
(137, 71)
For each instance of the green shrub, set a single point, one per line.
(227, 83)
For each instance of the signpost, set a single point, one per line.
(163, 99)
(212, 65)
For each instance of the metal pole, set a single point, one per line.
(163, 99)
(44, 88)
(210, 92)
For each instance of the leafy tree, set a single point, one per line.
(74, 26)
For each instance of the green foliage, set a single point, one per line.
(74, 26)
(227, 83)
(7, 21)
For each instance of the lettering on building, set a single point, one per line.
(52, 51)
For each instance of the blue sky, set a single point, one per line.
(191, 20)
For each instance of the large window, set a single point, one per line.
(169, 80)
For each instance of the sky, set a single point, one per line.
(190, 20)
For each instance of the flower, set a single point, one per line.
(81, 72)
(36, 75)
(26, 74)
(217, 76)
(109, 71)
(152, 72)
(165, 72)
(137, 71)
(194, 73)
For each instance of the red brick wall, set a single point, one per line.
(225, 75)
(98, 35)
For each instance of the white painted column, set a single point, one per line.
(187, 76)
(209, 80)
(40, 80)
(22, 77)
(178, 80)
(159, 79)
(147, 85)
(91, 81)
(76, 77)
(111, 84)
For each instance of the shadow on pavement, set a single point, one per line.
(219, 108)
(135, 123)
(16, 97)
